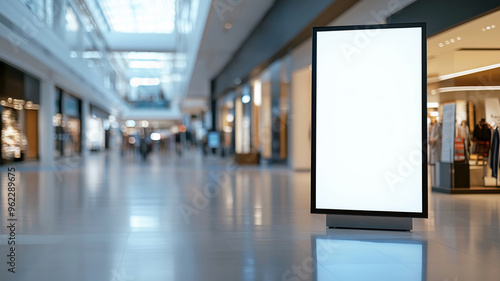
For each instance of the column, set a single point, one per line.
(46, 129)
(84, 119)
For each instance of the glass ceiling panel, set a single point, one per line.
(140, 16)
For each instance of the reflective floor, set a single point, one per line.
(116, 218)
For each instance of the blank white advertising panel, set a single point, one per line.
(369, 115)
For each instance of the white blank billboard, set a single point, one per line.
(369, 126)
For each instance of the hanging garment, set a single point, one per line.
(482, 133)
(494, 153)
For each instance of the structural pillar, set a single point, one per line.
(46, 131)
(85, 115)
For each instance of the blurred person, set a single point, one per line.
(178, 144)
(482, 138)
(482, 131)
(145, 147)
(137, 144)
(204, 145)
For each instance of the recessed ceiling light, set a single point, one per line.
(447, 42)
(484, 29)
(452, 40)
(488, 27)
(228, 25)
(441, 44)
(459, 38)
(493, 26)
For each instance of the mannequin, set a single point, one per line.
(462, 131)
(435, 143)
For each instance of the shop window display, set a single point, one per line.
(67, 123)
(13, 140)
(19, 105)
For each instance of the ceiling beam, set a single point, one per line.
(140, 42)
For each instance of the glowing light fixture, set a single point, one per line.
(469, 88)
(136, 81)
(245, 99)
(130, 123)
(467, 72)
(257, 92)
(155, 136)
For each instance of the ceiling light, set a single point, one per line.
(144, 124)
(469, 88)
(459, 38)
(452, 40)
(484, 29)
(145, 64)
(467, 72)
(441, 44)
(447, 42)
(493, 26)
(488, 27)
(228, 25)
(434, 113)
(432, 105)
(229, 117)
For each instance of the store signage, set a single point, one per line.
(19, 104)
(369, 146)
(213, 140)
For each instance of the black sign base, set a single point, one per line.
(369, 222)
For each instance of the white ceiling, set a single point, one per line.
(445, 51)
(218, 44)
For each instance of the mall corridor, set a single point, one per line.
(115, 218)
(252, 140)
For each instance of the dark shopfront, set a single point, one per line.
(19, 100)
(68, 125)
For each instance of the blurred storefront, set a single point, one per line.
(19, 100)
(68, 125)
(98, 129)
(464, 106)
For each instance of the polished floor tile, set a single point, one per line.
(116, 218)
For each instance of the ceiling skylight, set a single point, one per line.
(140, 16)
